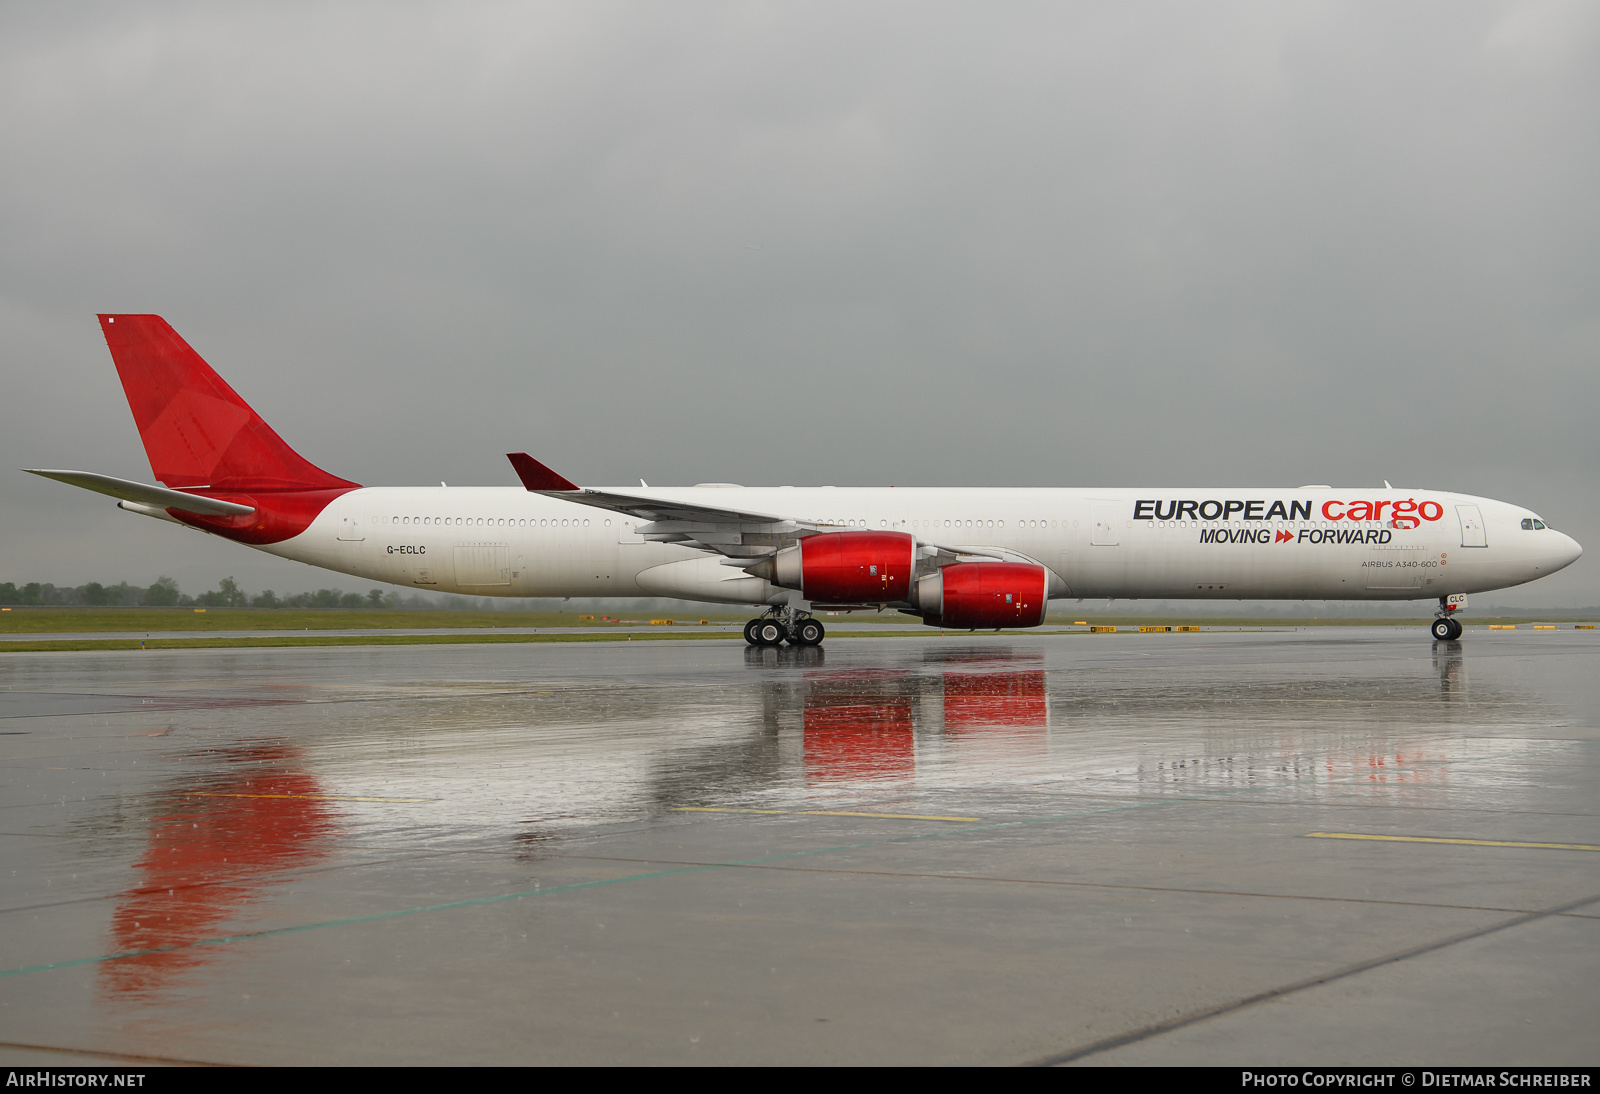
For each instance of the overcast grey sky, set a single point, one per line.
(921, 244)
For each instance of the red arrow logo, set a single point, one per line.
(1284, 537)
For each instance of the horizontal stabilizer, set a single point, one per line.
(535, 475)
(158, 497)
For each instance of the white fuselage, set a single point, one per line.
(1210, 543)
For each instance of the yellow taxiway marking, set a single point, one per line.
(1467, 842)
(822, 813)
(310, 797)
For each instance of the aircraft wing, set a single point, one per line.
(743, 535)
(657, 507)
(158, 497)
(740, 534)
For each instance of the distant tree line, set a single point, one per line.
(165, 594)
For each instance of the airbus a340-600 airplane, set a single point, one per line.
(958, 558)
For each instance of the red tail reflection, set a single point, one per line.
(212, 851)
(858, 726)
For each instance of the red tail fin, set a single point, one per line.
(196, 430)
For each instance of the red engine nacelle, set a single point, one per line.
(985, 594)
(847, 567)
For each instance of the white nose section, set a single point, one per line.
(1569, 553)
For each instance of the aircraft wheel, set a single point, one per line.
(769, 632)
(809, 633)
(750, 632)
(1444, 630)
(1456, 627)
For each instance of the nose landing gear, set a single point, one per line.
(1446, 627)
(784, 624)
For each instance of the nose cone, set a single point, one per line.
(1570, 552)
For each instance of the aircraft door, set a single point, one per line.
(1105, 513)
(478, 564)
(1472, 530)
(350, 529)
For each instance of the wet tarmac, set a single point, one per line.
(976, 849)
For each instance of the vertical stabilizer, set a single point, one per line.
(196, 430)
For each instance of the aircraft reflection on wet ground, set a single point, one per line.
(214, 846)
(861, 723)
(950, 849)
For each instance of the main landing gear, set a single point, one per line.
(784, 625)
(1446, 628)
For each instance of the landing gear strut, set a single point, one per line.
(778, 625)
(1446, 627)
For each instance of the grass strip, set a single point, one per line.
(57, 620)
(68, 645)
(52, 620)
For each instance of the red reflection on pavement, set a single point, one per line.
(1406, 765)
(213, 850)
(858, 726)
(976, 700)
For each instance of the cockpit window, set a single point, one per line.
(1527, 525)
(1538, 524)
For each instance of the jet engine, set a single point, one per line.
(984, 594)
(845, 567)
